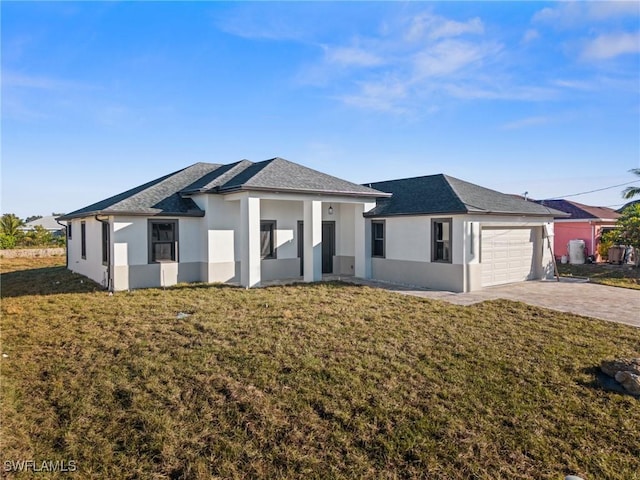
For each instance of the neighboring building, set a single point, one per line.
(48, 223)
(444, 233)
(583, 223)
(246, 223)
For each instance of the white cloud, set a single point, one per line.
(574, 14)
(612, 9)
(575, 84)
(19, 80)
(434, 27)
(352, 56)
(530, 35)
(487, 90)
(385, 95)
(611, 45)
(526, 122)
(447, 57)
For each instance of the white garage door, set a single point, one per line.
(507, 255)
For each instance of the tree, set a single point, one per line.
(32, 218)
(627, 230)
(39, 236)
(631, 192)
(9, 224)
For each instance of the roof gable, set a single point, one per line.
(442, 194)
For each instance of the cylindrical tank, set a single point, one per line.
(576, 252)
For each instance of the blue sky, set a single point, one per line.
(101, 97)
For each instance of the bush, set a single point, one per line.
(607, 240)
(7, 241)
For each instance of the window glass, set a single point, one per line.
(378, 239)
(163, 241)
(83, 240)
(442, 241)
(267, 241)
(105, 242)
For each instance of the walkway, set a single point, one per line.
(580, 297)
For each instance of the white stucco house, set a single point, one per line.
(245, 223)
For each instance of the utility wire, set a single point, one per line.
(592, 191)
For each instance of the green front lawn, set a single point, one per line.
(614, 275)
(308, 381)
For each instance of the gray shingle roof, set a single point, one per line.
(169, 195)
(278, 174)
(442, 194)
(158, 197)
(214, 180)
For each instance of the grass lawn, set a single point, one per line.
(613, 275)
(309, 381)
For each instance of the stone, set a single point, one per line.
(630, 381)
(612, 367)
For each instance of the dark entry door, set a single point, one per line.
(301, 246)
(328, 246)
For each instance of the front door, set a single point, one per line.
(301, 246)
(328, 245)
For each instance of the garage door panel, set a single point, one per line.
(507, 255)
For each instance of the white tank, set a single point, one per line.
(576, 252)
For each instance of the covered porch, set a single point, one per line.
(298, 237)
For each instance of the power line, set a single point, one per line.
(560, 197)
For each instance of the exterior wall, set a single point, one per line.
(408, 254)
(408, 251)
(91, 266)
(209, 247)
(222, 240)
(565, 231)
(286, 214)
(589, 231)
(130, 254)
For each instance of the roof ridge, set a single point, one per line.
(457, 194)
(407, 178)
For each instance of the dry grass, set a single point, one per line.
(613, 275)
(309, 381)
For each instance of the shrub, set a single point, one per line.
(7, 241)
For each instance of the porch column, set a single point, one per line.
(250, 241)
(312, 240)
(362, 235)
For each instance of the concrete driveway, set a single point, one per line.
(614, 304)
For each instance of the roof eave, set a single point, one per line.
(130, 213)
(464, 212)
(414, 214)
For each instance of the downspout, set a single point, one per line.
(109, 279)
(66, 242)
